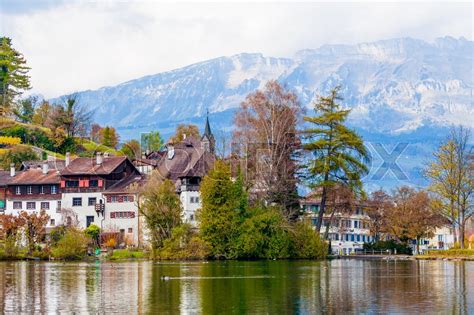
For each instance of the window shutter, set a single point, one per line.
(100, 182)
(81, 183)
(63, 184)
(130, 198)
(112, 215)
(120, 199)
(109, 199)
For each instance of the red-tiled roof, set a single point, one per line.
(88, 166)
(35, 177)
(4, 178)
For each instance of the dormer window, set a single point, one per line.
(170, 152)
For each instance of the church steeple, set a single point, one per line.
(207, 139)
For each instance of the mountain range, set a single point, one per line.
(399, 90)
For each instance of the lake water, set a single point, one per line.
(271, 287)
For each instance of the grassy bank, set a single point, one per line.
(125, 254)
(451, 254)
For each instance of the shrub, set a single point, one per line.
(9, 140)
(391, 245)
(93, 231)
(264, 235)
(17, 155)
(72, 246)
(306, 243)
(183, 244)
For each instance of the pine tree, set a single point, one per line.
(223, 202)
(14, 78)
(338, 153)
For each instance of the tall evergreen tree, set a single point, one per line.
(338, 153)
(14, 78)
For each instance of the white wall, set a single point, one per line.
(52, 212)
(190, 208)
(84, 210)
(116, 224)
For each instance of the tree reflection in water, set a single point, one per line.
(337, 286)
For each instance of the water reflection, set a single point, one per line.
(338, 286)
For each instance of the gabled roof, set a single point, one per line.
(35, 176)
(5, 178)
(56, 164)
(125, 184)
(88, 166)
(189, 160)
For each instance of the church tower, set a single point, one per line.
(207, 141)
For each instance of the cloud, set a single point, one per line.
(73, 46)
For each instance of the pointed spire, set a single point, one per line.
(207, 129)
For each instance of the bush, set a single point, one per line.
(264, 235)
(17, 155)
(306, 243)
(93, 231)
(56, 234)
(391, 245)
(11, 250)
(72, 246)
(183, 244)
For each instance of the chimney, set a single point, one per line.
(68, 159)
(12, 170)
(98, 158)
(45, 168)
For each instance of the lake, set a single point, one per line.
(271, 287)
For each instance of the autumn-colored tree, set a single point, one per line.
(412, 217)
(24, 109)
(266, 129)
(131, 149)
(95, 132)
(10, 232)
(35, 227)
(377, 206)
(338, 155)
(185, 131)
(109, 137)
(452, 181)
(42, 113)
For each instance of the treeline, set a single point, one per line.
(229, 227)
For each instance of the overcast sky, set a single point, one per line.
(77, 45)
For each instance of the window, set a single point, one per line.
(17, 205)
(352, 238)
(122, 215)
(114, 199)
(358, 237)
(54, 189)
(92, 201)
(72, 183)
(58, 207)
(45, 205)
(41, 189)
(29, 190)
(130, 230)
(194, 199)
(17, 190)
(89, 220)
(363, 238)
(93, 183)
(76, 202)
(52, 222)
(440, 238)
(356, 224)
(30, 205)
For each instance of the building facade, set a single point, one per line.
(348, 231)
